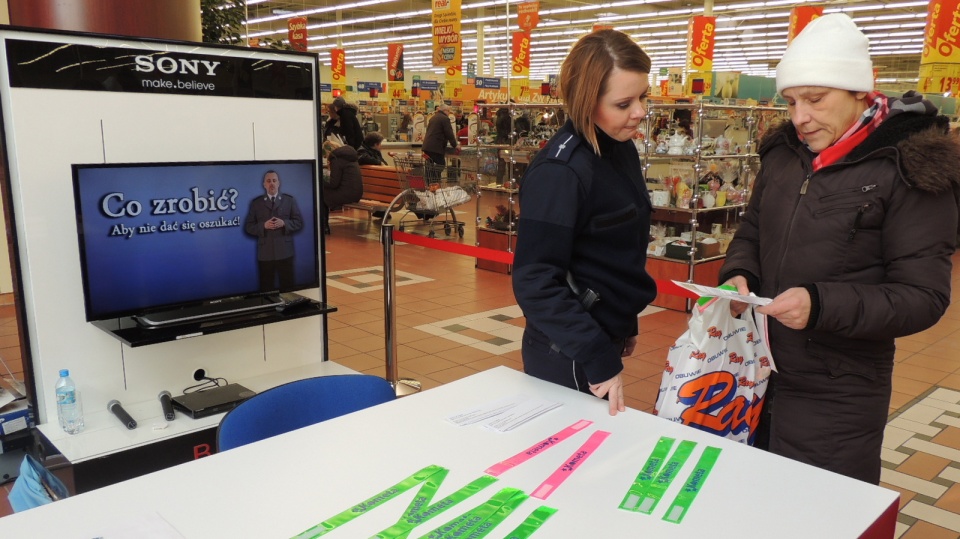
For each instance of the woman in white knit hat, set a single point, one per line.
(850, 230)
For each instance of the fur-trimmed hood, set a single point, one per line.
(346, 153)
(927, 155)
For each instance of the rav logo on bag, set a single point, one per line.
(712, 331)
(712, 405)
(734, 358)
(669, 367)
(697, 354)
(764, 361)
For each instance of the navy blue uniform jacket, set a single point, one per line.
(590, 215)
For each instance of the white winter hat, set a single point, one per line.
(830, 52)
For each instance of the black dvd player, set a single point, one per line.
(212, 401)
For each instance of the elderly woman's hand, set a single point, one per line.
(740, 282)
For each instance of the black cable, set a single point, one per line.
(208, 383)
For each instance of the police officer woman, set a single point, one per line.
(584, 225)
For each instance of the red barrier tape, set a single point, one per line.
(495, 255)
(458, 248)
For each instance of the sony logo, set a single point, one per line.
(168, 65)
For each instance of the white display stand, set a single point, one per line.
(71, 99)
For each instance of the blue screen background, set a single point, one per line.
(125, 274)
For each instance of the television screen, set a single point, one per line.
(157, 236)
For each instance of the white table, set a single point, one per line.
(282, 486)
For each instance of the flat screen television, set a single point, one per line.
(165, 237)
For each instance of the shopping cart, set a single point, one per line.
(429, 190)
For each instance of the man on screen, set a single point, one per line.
(274, 218)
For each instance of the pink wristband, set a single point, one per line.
(537, 448)
(547, 487)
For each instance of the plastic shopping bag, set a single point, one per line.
(717, 372)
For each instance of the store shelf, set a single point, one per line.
(685, 261)
(509, 163)
(659, 157)
(736, 124)
(127, 331)
(725, 207)
(499, 189)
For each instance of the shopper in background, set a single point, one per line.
(406, 127)
(349, 126)
(504, 126)
(850, 230)
(439, 133)
(345, 185)
(331, 126)
(586, 214)
(370, 153)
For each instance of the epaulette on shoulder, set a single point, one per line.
(563, 148)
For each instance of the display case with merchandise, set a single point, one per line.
(699, 161)
(501, 161)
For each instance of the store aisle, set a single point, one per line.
(454, 320)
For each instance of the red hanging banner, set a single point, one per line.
(940, 59)
(701, 35)
(338, 64)
(800, 17)
(521, 54)
(297, 33)
(528, 15)
(394, 61)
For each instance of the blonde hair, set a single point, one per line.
(585, 71)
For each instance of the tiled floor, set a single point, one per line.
(454, 320)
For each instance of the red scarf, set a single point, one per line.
(857, 133)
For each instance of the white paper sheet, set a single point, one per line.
(702, 291)
(505, 414)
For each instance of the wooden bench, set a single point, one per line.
(380, 186)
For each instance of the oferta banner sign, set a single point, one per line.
(338, 65)
(701, 36)
(940, 59)
(800, 17)
(521, 54)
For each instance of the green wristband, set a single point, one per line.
(373, 502)
(409, 522)
(667, 474)
(532, 523)
(678, 509)
(647, 473)
(469, 521)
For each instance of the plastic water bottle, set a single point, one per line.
(69, 409)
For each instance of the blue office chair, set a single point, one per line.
(299, 404)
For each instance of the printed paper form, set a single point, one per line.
(505, 414)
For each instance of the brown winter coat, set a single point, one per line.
(346, 181)
(439, 133)
(871, 238)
